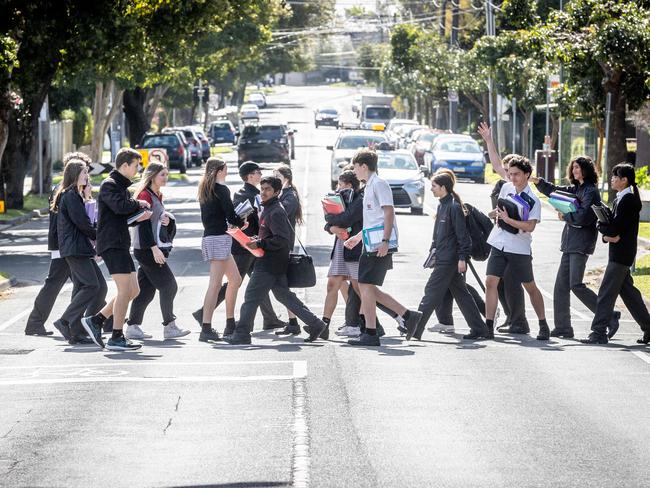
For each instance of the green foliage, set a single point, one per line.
(371, 56)
(642, 178)
(518, 14)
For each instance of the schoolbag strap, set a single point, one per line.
(296, 235)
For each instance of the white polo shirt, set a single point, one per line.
(377, 194)
(519, 243)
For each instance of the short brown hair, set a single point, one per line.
(519, 161)
(126, 155)
(367, 157)
(67, 157)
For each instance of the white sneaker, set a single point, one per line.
(173, 331)
(442, 328)
(135, 332)
(349, 331)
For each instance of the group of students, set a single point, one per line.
(354, 271)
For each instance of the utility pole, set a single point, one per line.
(453, 43)
(489, 30)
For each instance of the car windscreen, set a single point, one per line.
(459, 146)
(378, 113)
(220, 127)
(328, 111)
(354, 142)
(396, 161)
(263, 132)
(157, 141)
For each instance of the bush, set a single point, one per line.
(642, 178)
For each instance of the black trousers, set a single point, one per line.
(89, 293)
(151, 277)
(569, 279)
(445, 310)
(446, 278)
(353, 309)
(618, 281)
(260, 284)
(57, 276)
(511, 296)
(245, 264)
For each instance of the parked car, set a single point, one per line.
(194, 134)
(222, 131)
(459, 153)
(423, 143)
(258, 99)
(346, 145)
(405, 177)
(393, 129)
(172, 143)
(249, 111)
(264, 143)
(407, 133)
(192, 144)
(326, 116)
(292, 140)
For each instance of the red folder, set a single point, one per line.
(243, 239)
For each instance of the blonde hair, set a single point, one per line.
(71, 174)
(152, 170)
(206, 185)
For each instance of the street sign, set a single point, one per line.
(452, 95)
(100, 168)
(160, 155)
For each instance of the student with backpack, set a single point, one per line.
(449, 253)
(621, 232)
(152, 245)
(75, 234)
(116, 208)
(578, 243)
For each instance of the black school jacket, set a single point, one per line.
(626, 225)
(275, 237)
(352, 216)
(450, 235)
(579, 234)
(115, 205)
(246, 192)
(73, 226)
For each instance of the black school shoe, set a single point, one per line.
(63, 328)
(209, 336)
(93, 330)
(614, 324)
(595, 338)
(544, 333)
(289, 330)
(275, 325)
(318, 331)
(80, 339)
(38, 331)
(365, 340)
(566, 333)
(325, 332)
(412, 323)
(476, 335)
(238, 339)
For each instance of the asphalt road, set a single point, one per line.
(512, 412)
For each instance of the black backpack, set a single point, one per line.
(479, 227)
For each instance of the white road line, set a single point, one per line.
(148, 379)
(642, 356)
(301, 456)
(580, 315)
(157, 363)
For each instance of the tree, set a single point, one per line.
(606, 43)
(8, 61)
(370, 57)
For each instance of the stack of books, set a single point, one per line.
(518, 208)
(333, 205)
(91, 211)
(603, 213)
(244, 209)
(373, 236)
(564, 202)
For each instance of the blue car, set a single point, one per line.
(222, 132)
(459, 153)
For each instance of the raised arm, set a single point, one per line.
(486, 133)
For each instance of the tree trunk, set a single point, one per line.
(600, 128)
(138, 124)
(103, 116)
(527, 116)
(616, 142)
(555, 130)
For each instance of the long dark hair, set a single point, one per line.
(625, 170)
(287, 174)
(586, 166)
(152, 170)
(71, 174)
(445, 180)
(206, 185)
(350, 178)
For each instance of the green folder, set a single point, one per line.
(562, 206)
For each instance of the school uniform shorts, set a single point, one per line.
(118, 261)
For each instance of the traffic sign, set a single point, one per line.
(159, 154)
(452, 95)
(2, 206)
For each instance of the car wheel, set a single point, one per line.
(183, 168)
(417, 211)
(316, 125)
(480, 179)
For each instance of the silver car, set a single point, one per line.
(348, 143)
(405, 177)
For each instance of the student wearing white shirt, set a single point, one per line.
(378, 211)
(510, 249)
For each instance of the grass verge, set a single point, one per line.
(4, 275)
(216, 150)
(642, 275)
(644, 229)
(490, 176)
(31, 203)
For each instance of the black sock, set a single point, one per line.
(327, 320)
(293, 322)
(489, 323)
(406, 315)
(371, 332)
(98, 319)
(230, 323)
(542, 323)
(117, 334)
(206, 327)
